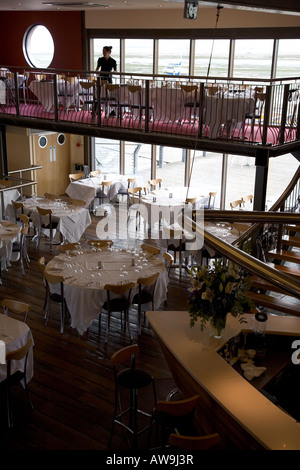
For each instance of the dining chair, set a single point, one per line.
(67, 94)
(19, 248)
(134, 204)
(52, 296)
(20, 354)
(176, 243)
(154, 183)
(114, 106)
(211, 89)
(127, 376)
(211, 200)
(18, 209)
(50, 225)
(246, 199)
(153, 250)
(76, 176)
(100, 243)
(195, 443)
(168, 416)
(256, 113)
(87, 95)
(190, 102)
(145, 295)
(124, 191)
(17, 307)
(94, 173)
(237, 203)
(118, 300)
(135, 102)
(104, 193)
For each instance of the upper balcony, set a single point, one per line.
(229, 115)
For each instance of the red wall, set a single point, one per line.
(64, 26)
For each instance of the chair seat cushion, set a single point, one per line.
(133, 378)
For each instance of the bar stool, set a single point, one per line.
(132, 379)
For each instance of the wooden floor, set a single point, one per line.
(73, 389)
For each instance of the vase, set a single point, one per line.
(217, 327)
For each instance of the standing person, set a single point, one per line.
(106, 64)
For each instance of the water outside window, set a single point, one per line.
(38, 46)
(173, 56)
(98, 45)
(288, 63)
(139, 56)
(214, 52)
(253, 58)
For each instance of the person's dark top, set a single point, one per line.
(106, 65)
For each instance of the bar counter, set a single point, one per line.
(231, 405)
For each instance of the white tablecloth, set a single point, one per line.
(9, 233)
(44, 91)
(87, 189)
(15, 334)
(84, 282)
(72, 220)
(229, 108)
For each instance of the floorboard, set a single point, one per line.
(72, 388)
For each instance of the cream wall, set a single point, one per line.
(18, 148)
(173, 19)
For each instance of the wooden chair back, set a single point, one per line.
(236, 203)
(148, 280)
(150, 249)
(67, 246)
(76, 176)
(19, 353)
(15, 306)
(124, 354)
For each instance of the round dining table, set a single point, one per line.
(87, 271)
(166, 204)
(15, 334)
(9, 233)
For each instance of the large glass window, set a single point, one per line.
(253, 58)
(173, 56)
(107, 155)
(38, 46)
(139, 56)
(138, 160)
(281, 171)
(206, 174)
(240, 179)
(97, 48)
(170, 166)
(288, 58)
(211, 56)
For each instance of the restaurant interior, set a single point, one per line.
(123, 199)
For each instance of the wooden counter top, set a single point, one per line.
(196, 352)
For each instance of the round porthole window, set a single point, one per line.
(38, 46)
(43, 141)
(61, 138)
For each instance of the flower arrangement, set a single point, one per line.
(216, 290)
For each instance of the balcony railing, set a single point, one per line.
(248, 111)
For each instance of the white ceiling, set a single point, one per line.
(287, 6)
(67, 5)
